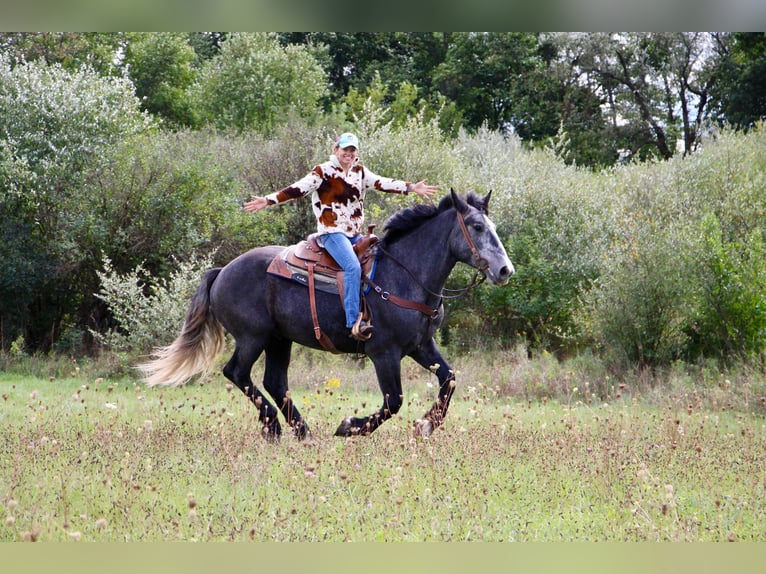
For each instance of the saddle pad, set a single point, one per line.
(324, 280)
(281, 268)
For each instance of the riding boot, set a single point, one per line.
(362, 330)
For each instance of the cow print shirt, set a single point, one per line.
(337, 198)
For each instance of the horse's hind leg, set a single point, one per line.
(275, 383)
(429, 357)
(237, 370)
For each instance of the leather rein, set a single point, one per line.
(480, 263)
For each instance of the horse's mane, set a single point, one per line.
(406, 220)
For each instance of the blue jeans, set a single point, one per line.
(341, 248)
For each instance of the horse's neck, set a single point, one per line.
(425, 254)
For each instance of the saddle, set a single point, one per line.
(297, 261)
(309, 264)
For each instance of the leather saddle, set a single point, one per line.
(296, 261)
(308, 263)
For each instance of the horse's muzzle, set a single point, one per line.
(500, 276)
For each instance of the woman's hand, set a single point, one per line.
(255, 204)
(422, 189)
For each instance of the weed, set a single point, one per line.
(111, 460)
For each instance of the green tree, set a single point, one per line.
(206, 45)
(402, 63)
(729, 321)
(72, 50)
(255, 83)
(656, 86)
(161, 66)
(354, 59)
(483, 74)
(740, 96)
(56, 124)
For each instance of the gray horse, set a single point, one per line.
(264, 313)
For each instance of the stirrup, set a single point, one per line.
(362, 330)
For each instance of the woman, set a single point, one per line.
(338, 187)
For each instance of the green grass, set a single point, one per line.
(88, 458)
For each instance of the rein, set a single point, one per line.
(481, 265)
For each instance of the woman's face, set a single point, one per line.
(346, 156)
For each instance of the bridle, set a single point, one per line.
(480, 263)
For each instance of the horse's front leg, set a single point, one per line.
(388, 370)
(429, 357)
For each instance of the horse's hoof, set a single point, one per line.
(272, 432)
(423, 428)
(345, 428)
(302, 432)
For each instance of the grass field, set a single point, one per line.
(96, 459)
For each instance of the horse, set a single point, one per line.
(266, 314)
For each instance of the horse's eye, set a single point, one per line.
(478, 227)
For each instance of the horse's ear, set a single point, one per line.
(459, 204)
(485, 201)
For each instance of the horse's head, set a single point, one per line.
(477, 243)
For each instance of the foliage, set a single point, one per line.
(70, 50)
(162, 195)
(637, 310)
(685, 276)
(161, 67)
(730, 315)
(352, 61)
(645, 263)
(657, 85)
(637, 94)
(56, 124)
(739, 94)
(255, 83)
(60, 121)
(485, 73)
(554, 223)
(147, 313)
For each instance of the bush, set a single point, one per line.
(684, 275)
(555, 225)
(149, 312)
(729, 319)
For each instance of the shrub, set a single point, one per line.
(149, 312)
(729, 319)
(683, 277)
(555, 225)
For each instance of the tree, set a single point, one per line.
(206, 45)
(161, 66)
(254, 83)
(71, 50)
(740, 96)
(646, 80)
(56, 124)
(355, 59)
(484, 73)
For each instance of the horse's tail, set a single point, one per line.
(194, 350)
